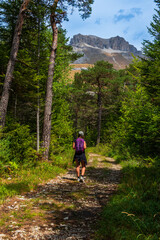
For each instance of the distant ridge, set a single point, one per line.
(115, 50)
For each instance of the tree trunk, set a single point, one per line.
(10, 67)
(49, 94)
(99, 103)
(38, 98)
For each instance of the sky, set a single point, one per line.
(109, 18)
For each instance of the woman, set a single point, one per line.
(80, 145)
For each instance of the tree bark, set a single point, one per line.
(99, 103)
(38, 98)
(49, 93)
(10, 67)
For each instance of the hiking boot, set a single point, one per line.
(82, 179)
(78, 179)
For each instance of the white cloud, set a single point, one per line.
(127, 15)
(126, 18)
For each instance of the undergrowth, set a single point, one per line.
(102, 149)
(17, 178)
(134, 212)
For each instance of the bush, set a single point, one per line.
(5, 152)
(63, 160)
(17, 144)
(137, 131)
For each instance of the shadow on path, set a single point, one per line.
(74, 208)
(70, 209)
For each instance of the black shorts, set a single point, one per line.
(80, 157)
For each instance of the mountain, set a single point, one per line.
(115, 50)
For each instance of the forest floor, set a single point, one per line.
(62, 208)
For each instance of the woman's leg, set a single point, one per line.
(83, 167)
(77, 168)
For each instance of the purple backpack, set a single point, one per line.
(79, 145)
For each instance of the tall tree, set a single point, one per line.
(150, 70)
(22, 104)
(11, 63)
(58, 12)
(49, 93)
(98, 82)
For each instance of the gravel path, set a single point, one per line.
(62, 209)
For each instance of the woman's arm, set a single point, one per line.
(73, 145)
(85, 145)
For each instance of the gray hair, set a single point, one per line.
(81, 133)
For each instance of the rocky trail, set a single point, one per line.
(62, 208)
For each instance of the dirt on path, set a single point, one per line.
(62, 208)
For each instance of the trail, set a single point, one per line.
(62, 208)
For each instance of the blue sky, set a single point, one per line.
(126, 18)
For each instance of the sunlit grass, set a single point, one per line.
(27, 177)
(27, 180)
(55, 206)
(80, 194)
(21, 215)
(133, 213)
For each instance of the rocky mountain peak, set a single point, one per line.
(115, 50)
(115, 43)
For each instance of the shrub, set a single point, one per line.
(20, 144)
(137, 131)
(64, 160)
(5, 152)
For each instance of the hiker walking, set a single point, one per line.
(80, 145)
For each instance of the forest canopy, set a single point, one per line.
(119, 108)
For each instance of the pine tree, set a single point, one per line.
(150, 70)
(58, 12)
(11, 63)
(99, 86)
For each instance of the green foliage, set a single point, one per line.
(102, 149)
(23, 177)
(138, 127)
(84, 7)
(97, 89)
(151, 49)
(150, 70)
(5, 153)
(150, 78)
(61, 134)
(130, 124)
(30, 73)
(28, 179)
(8, 16)
(90, 135)
(133, 213)
(20, 143)
(29, 175)
(63, 160)
(64, 55)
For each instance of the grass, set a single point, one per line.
(134, 212)
(27, 178)
(17, 217)
(80, 194)
(95, 162)
(55, 206)
(99, 149)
